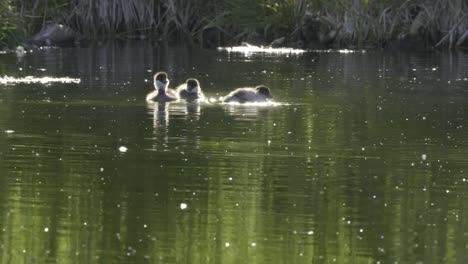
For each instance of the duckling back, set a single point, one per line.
(184, 94)
(244, 95)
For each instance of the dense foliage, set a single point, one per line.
(353, 22)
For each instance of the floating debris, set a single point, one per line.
(183, 206)
(20, 51)
(31, 79)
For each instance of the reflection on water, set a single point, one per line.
(162, 112)
(248, 110)
(363, 162)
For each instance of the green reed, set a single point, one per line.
(357, 22)
(7, 25)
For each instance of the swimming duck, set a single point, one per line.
(260, 93)
(191, 90)
(162, 93)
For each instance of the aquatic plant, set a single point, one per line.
(338, 22)
(20, 19)
(437, 22)
(7, 25)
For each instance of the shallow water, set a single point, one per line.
(364, 159)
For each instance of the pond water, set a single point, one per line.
(364, 159)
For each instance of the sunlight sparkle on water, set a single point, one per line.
(123, 149)
(344, 51)
(32, 79)
(270, 103)
(250, 49)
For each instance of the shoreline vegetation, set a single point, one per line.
(312, 24)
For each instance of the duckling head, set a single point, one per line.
(265, 91)
(193, 86)
(161, 81)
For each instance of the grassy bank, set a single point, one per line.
(321, 23)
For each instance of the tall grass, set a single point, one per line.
(19, 19)
(7, 25)
(355, 22)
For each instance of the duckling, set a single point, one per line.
(260, 93)
(191, 90)
(162, 93)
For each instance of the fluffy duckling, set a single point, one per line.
(162, 93)
(191, 90)
(260, 93)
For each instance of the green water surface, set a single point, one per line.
(364, 159)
